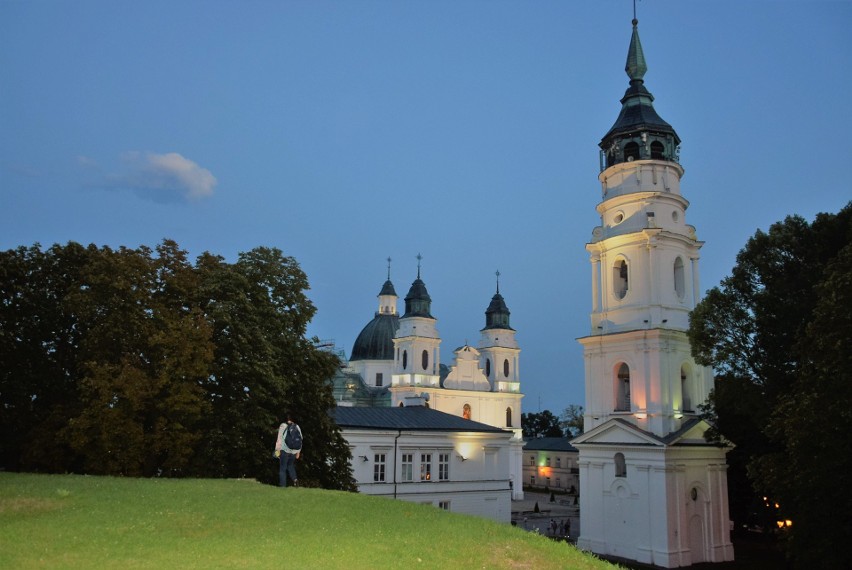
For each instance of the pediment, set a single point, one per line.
(617, 431)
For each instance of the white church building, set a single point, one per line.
(396, 362)
(651, 488)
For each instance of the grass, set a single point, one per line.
(73, 521)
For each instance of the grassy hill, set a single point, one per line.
(72, 521)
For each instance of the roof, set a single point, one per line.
(411, 418)
(549, 444)
(418, 303)
(375, 342)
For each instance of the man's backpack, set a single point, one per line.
(293, 437)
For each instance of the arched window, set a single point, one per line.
(657, 150)
(425, 359)
(404, 359)
(631, 151)
(488, 368)
(678, 278)
(506, 368)
(620, 282)
(620, 466)
(622, 389)
(466, 411)
(685, 392)
(508, 417)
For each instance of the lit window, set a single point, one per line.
(466, 411)
(379, 468)
(425, 466)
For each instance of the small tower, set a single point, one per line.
(651, 488)
(417, 342)
(498, 348)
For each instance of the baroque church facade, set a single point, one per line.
(396, 362)
(652, 489)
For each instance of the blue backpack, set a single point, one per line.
(293, 437)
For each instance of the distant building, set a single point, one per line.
(551, 463)
(417, 454)
(396, 360)
(652, 489)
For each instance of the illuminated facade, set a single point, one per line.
(396, 360)
(552, 463)
(425, 456)
(652, 489)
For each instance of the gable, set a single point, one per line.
(617, 431)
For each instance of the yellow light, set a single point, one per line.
(780, 524)
(788, 522)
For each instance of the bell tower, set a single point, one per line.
(652, 489)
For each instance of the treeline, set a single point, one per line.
(138, 362)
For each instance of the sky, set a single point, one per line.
(346, 132)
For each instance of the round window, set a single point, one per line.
(619, 217)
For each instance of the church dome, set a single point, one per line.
(497, 313)
(376, 339)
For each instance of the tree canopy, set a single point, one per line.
(541, 424)
(139, 362)
(777, 331)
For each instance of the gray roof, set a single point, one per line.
(549, 444)
(411, 418)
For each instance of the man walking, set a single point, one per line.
(288, 448)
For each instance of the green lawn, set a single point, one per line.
(72, 521)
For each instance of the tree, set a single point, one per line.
(777, 332)
(542, 424)
(571, 420)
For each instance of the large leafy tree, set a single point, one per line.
(571, 420)
(541, 424)
(137, 362)
(777, 332)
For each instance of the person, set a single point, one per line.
(286, 455)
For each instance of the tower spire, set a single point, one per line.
(497, 273)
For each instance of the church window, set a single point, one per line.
(508, 417)
(443, 467)
(466, 411)
(622, 389)
(506, 367)
(620, 466)
(404, 359)
(631, 151)
(425, 466)
(678, 278)
(407, 467)
(379, 467)
(684, 388)
(618, 218)
(657, 150)
(620, 283)
(379, 378)
(425, 359)
(488, 367)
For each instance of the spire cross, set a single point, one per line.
(389, 262)
(497, 273)
(419, 257)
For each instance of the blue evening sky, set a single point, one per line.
(344, 132)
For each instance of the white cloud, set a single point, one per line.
(166, 177)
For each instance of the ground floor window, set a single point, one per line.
(379, 467)
(443, 467)
(407, 472)
(444, 505)
(425, 466)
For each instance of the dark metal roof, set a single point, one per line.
(375, 342)
(418, 303)
(411, 418)
(497, 314)
(387, 289)
(549, 444)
